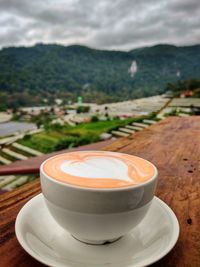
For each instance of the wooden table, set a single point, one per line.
(173, 145)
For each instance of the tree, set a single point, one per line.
(82, 109)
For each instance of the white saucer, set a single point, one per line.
(40, 235)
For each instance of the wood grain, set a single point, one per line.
(173, 145)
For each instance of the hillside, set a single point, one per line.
(28, 75)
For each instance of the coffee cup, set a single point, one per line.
(98, 196)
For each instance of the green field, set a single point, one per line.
(57, 138)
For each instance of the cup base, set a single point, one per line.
(97, 242)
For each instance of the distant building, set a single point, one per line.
(133, 69)
(35, 110)
(79, 100)
(58, 101)
(186, 93)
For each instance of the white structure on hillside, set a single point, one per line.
(133, 69)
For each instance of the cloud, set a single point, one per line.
(106, 24)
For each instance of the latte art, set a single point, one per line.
(99, 169)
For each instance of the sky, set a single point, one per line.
(102, 24)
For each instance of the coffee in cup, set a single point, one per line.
(99, 169)
(98, 196)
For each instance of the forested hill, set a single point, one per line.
(30, 74)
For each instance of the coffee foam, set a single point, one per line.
(99, 169)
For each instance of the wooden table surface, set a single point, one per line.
(173, 145)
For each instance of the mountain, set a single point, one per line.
(28, 75)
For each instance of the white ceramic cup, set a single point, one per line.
(96, 215)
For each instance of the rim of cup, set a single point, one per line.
(150, 180)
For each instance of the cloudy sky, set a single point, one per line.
(105, 24)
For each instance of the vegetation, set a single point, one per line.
(94, 118)
(173, 112)
(180, 86)
(53, 139)
(83, 109)
(29, 76)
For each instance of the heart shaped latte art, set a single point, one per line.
(97, 168)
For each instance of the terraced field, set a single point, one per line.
(9, 154)
(72, 136)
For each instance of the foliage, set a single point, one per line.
(42, 142)
(173, 112)
(83, 109)
(42, 119)
(3, 107)
(197, 93)
(73, 141)
(68, 136)
(94, 118)
(54, 127)
(193, 85)
(28, 75)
